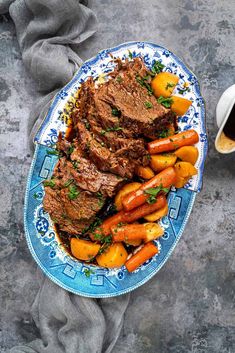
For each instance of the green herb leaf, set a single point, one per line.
(68, 182)
(119, 79)
(73, 192)
(182, 91)
(145, 84)
(87, 125)
(157, 67)
(163, 133)
(50, 183)
(166, 102)
(169, 85)
(148, 104)
(88, 272)
(70, 149)
(130, 54)
(75, 164)
(115, 112)
(53, 152)
(153, 192)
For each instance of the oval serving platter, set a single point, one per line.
(44, 245)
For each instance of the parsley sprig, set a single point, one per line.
(73, 192)
(166, 102)
(148, 104)
(153, 192)
(157, 68)
(49, 183)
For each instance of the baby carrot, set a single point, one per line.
(144, 210)
(129, 216)
(144, 254)
(171, 143)
(129, 232)
(165, 178)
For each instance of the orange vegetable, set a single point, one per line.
(129, 232)
(126, 189)
(162, 161)
(171, 143)
(164, 83)
(134, 242)
(114, 256)
(171, 129)
(180, 182)
(130, 216)
(187, 154)
(153, 231)
(144, 254)
(180, 105)
(144, 210)
(157, 214)
(83, 249)
(145, 172)
(136, 198)
(185, 169)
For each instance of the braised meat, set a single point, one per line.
(108, 142)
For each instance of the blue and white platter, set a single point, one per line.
(41, 236)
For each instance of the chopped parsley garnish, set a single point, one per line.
(157, 68)
(153, 192)
(100, 197)
(102, 132)
(88, 272)
(169, 85)
(68, 182)
(130, 54)
(171, 140)
(70, 149)
(73, 192)
(35, 196)
(119, 79)
(115, 112)
(75, 164)
(148, 104)
(145, 84)
(182, 91)
(148, 156)
(50, 183)
(54, 152)
(163, 133)
(87, 125)
(166, 102)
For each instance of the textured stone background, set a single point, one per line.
(188, 307)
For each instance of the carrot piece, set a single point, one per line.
(129, 232)
(171, 143)
(165, 178)
(111, 221)
(129, 216)
(144, 254)
(144, 210)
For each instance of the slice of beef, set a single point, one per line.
(72, 216)
(103, 158)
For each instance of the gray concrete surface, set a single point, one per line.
(188, 307)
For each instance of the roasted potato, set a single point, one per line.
(157, 214)
(83, 249)
(164, 83)
(153, 231)
(114, 256)
(187, 154)
(162, 161)
(180, 105)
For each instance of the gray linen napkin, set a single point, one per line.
(45, 30)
